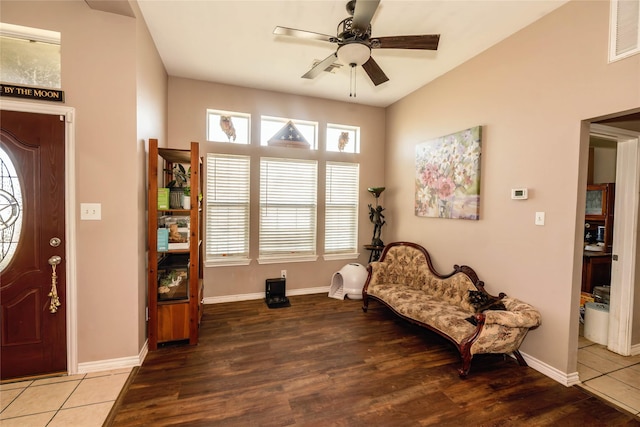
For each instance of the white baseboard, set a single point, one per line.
(567, 380)
(111, 364)
(260, 295)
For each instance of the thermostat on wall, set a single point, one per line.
(519, 193)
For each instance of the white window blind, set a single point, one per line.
(341, 208)
(288, 204)
(227, 216)
(624, 29)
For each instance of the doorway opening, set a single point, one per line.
(607, 364)
(624, 232)
(614, 162)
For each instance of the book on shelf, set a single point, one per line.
(163, 198)
(163, 239)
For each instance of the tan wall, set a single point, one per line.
(99, 77)
(604, 165)
(188, 102)
(152, 123)
(530, 94)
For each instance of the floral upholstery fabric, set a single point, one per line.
(405, 283)
(406, 265)
(418, 305)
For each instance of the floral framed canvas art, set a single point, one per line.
(448, 176)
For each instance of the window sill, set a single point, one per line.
(287, 259)
(228, 262)
(333, 257)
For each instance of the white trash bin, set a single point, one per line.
(348, 282)
(596, 322)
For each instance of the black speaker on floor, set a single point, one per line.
(275, 293)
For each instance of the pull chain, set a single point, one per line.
(352, 81)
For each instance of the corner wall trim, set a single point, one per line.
(567, 380)
(111, 364)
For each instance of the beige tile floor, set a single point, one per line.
(76, 400)
(610, 376)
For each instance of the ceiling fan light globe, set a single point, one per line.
(354, 53)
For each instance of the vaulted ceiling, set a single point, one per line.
(232, 42)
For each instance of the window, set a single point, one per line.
(29, 56)
(624, 29)
(343, 138)
(341, 208)
(288, 204)
(226, 126)
(227, 219)
(269, 126)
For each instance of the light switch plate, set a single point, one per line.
(91, 211)
(539, 218)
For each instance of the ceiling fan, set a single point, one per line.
(353, 37)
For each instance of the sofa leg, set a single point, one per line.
(365, 303)
(519, 358)
(466, 365)
(464, 371)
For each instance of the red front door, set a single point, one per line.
(32, 227)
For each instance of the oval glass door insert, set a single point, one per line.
(10, 209)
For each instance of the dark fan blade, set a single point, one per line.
(284, 31)
(320, 67)
(363, 14)
(374, 72)
(427, 41)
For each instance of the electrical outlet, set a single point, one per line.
(283, 274)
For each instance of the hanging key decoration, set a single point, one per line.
(55, 301)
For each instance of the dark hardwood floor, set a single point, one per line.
(323, 362)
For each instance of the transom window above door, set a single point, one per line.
(29, 56)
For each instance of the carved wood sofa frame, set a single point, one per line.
(412, 298)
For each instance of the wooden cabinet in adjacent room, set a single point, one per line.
(599, 213)
(598, 236)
